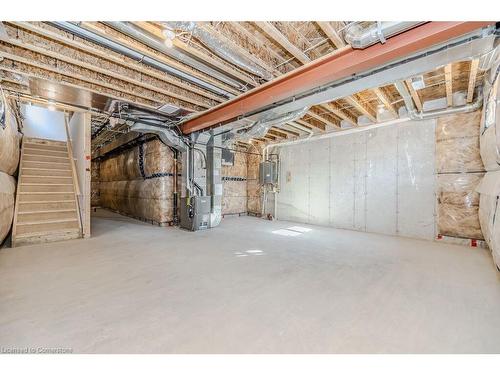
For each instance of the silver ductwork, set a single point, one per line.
(260, 128)
(156, 43)
(167, 136)
(414, 114)
(133, 54)
(360, 36)
(220, 48)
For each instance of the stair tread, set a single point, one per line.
(47, 211)
(45, 162)
(45, 192)
(43, 184)
(51, 202)
(48, 221)
(47, 233)
(46, 169)
(42, 176)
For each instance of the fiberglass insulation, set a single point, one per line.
(142, 190)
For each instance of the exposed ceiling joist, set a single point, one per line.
(414, 95)
(335, 109)
(448, 77)
(277, 133)
(226, 68)
(330, 32)
(316, 116)
(361, 107)
(472, 79)
(382, 96)
(279, 38)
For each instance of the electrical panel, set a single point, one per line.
(268, 173)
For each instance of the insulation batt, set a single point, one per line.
(460, 169)
(490, 129)
(124, 189)
(9, 143)
(254, 205)
(7, 196)
(489, 212)
(95, 200)
(234, 194)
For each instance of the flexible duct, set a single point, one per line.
(419, 115)
(361, 37)
(131, 53)
(220, 48)
(157, 44)
(260, 128)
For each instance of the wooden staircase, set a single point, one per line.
(46, 206)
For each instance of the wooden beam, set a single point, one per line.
(448, 76)
(276, 133)
(279, 38)
(385, 100)
(310, 125)
(316, 116)
(361, 107)
(414, 95)
(288, 131)
(474, 64)
(330, 32)
(337, 111)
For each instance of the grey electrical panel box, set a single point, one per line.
(268, 173)
(195, 212)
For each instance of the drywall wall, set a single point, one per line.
(79, 132)
(40, 122)
(380, 180)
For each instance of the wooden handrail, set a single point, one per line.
(73, 170)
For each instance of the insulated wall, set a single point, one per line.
(489, 188)
(380, 180)
(234, 184)
(9, 160)
(460, 169)
(139, 181)
(254, 199)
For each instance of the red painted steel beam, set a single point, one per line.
(338, 65)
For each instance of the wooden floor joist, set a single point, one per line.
(474, 64)
(448, 84)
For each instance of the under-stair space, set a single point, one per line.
(46, 206)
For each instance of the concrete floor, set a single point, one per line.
(240, 288)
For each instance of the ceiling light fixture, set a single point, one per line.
(51, 105)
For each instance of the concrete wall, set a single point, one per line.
(380, 180)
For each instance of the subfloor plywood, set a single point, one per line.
(243, 287)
